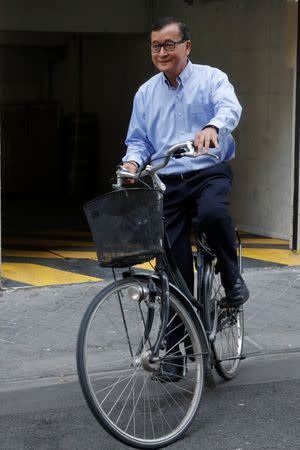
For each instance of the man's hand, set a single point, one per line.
(206, 139)
(133, 167)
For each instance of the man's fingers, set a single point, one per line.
(214, 143)
(206, 139)
(130, 167)
(207, 142)
(199, 141)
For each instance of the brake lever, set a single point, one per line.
(123, 173)
(188, 150)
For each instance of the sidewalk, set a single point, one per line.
(38, 326)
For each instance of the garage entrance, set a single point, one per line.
(64, 114)
(66, 97)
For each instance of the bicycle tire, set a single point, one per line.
(227, 345)
(161, 412)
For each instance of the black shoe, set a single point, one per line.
(236, 296)
(171, 371)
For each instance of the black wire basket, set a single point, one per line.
(127, 226)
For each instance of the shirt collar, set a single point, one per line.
(183, 76)
(186, 73)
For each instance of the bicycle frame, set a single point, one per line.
(166, 268)
(170, 278)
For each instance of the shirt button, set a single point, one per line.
(179, 114)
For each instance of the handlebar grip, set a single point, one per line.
(188, 149)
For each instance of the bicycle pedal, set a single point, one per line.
(223, 305)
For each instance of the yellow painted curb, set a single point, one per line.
(279, 256)
(264, 241)
(37, 275)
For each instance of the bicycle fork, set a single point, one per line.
(164, 314)
(150, 358)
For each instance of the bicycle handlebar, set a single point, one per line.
(176, 151)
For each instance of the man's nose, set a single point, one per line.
(162, 51)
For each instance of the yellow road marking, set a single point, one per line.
(47, 243)
(37, 275)
(29, 254)
(264, 241)
(278, 256)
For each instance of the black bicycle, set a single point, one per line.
(139, 326)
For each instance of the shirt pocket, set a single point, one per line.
(198, 115)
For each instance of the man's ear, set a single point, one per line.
(188, 47)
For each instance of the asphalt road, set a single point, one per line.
(260, 409)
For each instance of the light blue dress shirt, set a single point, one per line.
(163, 116)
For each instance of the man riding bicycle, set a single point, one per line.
(183, 102)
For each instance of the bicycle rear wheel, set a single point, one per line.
(228, 342)
(119, 381)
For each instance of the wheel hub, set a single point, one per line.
(148, 362)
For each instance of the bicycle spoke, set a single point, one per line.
(172, 397)
(125, 325)
(162, 416)
(118, 397)
(144, 327)
(122, 387)
(173, 329)
(125, 403)
(113, 385)
(177, 343)
(135, 404)
(151, 419)
(228, 326)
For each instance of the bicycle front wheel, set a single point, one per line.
(228, 341)
(120, 381)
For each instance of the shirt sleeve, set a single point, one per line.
(227, 108)
(139, 148)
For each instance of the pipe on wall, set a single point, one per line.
(295, 224)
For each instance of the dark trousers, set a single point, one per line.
(201, 198)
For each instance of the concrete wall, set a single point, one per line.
(249, 40)
(119, 16)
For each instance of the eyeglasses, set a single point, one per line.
(169, 46)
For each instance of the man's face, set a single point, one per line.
(173, 62)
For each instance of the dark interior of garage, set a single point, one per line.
(63, 117)
(40, 190)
